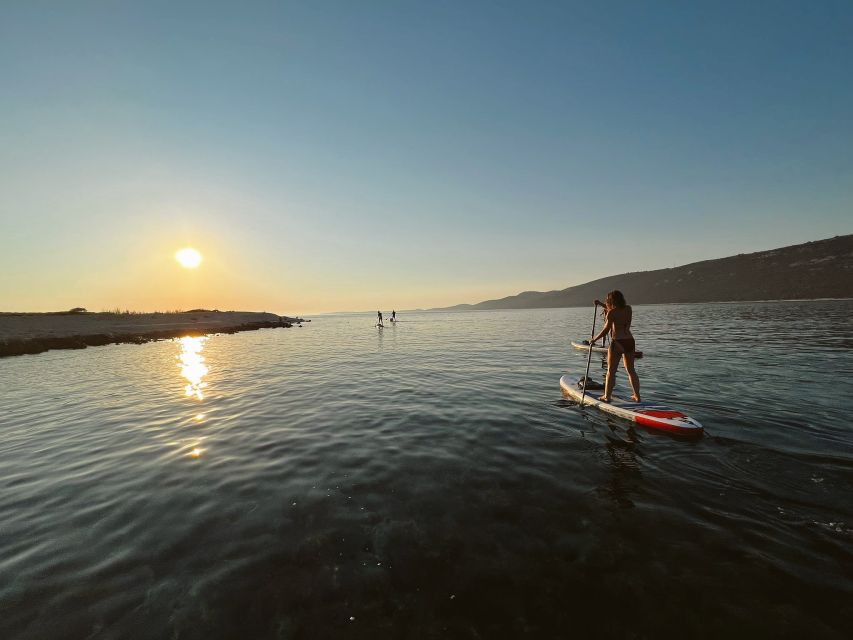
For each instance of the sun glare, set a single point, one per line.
(192, 365)
(189, 258)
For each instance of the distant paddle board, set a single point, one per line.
(584, 346)
(648, 414)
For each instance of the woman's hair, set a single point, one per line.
(616, 299)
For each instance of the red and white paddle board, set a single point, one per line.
(648, 414)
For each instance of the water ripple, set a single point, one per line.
(430, 480)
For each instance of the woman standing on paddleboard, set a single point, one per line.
(618, 325)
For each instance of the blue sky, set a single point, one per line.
(356, 155)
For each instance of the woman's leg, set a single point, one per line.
(628, 358)
(613, 354)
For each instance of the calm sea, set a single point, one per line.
(429, 480)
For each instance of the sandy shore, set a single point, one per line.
(22, 333)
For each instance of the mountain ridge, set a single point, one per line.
(811, 270)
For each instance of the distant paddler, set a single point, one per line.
(617, 324)
(379, 321)
(393, 316)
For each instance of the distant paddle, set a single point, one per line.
(589, 357)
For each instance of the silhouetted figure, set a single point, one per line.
(379, 323)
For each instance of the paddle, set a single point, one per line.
(589, 357)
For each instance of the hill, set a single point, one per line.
(820, 269)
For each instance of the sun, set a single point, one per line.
(188, 257)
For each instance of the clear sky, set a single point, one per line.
(360, 155)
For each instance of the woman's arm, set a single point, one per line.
(607, 325)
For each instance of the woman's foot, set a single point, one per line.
(636, 398)
(604, 398)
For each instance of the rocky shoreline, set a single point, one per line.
(32, 333)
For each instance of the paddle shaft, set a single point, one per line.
(589, 356)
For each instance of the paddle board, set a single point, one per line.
(584, 346)
(648, 414)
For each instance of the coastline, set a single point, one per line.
(32, 333)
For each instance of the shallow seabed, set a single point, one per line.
(429, 480)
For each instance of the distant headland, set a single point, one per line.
(820, 269)
(27, 333)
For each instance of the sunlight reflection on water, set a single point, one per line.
(192, 365)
